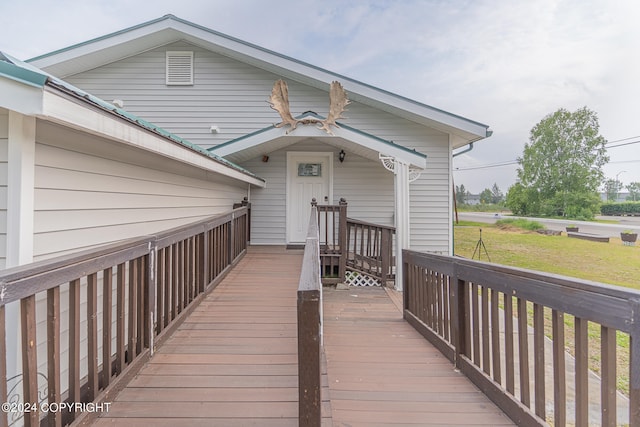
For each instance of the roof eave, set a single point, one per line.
(71, 113)
(170, 28)
(347, 133)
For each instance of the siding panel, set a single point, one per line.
(366, 185)
(233, 96)
(83, 200)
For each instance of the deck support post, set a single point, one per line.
(401, 171)
(342, 240)
(20, 203)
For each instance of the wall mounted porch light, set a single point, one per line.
(341, 156)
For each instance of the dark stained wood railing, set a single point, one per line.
(332, 232)
(121, 301)
(370, 249)
(347, 243)
(472, 312)
(310, 330)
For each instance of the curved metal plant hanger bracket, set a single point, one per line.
(389, 164)
(414, 174)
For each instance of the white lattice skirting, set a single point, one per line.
(353, 278)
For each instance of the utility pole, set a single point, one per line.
(618, 184)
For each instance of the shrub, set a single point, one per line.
(621, 209)
(520, 223)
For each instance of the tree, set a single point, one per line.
(496, 194)
(461, 194)
(561, 167)
(612, 188)
(519, 200)
(634, 191)
(486, 196)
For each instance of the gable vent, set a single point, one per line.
(179, 68)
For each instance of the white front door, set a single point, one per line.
(309, 175)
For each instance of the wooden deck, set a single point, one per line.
(382, 372)
(233, 362)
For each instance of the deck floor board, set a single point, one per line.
(381, 372)
(233, 362)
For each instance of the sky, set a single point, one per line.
(506, 64)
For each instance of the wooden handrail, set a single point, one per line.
(361, 246)
(470, 310)
(371, 224)
(310, 329)
(151, 282)
(369, 249)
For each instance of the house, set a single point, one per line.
(79, 172)
(389, 157)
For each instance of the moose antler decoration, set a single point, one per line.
(279, 101)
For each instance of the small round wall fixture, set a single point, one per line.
(341, 156)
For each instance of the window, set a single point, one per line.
(309, 169)
(179, 68)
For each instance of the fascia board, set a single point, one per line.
(169, 29)
(60, 110)
(311, 131)
(103, 51)
(23, 98)
(415, 159)
(321, 79)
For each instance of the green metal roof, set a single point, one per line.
(28, 74)
(319, 117)
(9, 69)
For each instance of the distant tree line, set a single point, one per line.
(612, 188)
(488, 196)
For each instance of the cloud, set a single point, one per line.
(503, 63)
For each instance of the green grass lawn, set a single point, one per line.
(611, 263)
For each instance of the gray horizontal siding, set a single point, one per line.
(83, 200)
(233, 96)
(366, 185)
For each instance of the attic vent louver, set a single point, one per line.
(179, 68)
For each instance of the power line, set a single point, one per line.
(620, 140)
(626, 143)
(625, 161)
(494, 165)
(512, 162)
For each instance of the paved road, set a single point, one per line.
(609, 230)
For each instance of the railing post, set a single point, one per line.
(342, 236)
(206, 257)
(232, 236)
(407, 295)
(151, 292)
(459, 316)
(245, 202)
(309, 314)
(29, 361)
(634, 367)
(385, 254)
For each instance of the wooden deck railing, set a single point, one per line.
(471, 311)
(370, 249)
(347, 243)
(332, 232)
(310, 329)
(120, 300)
